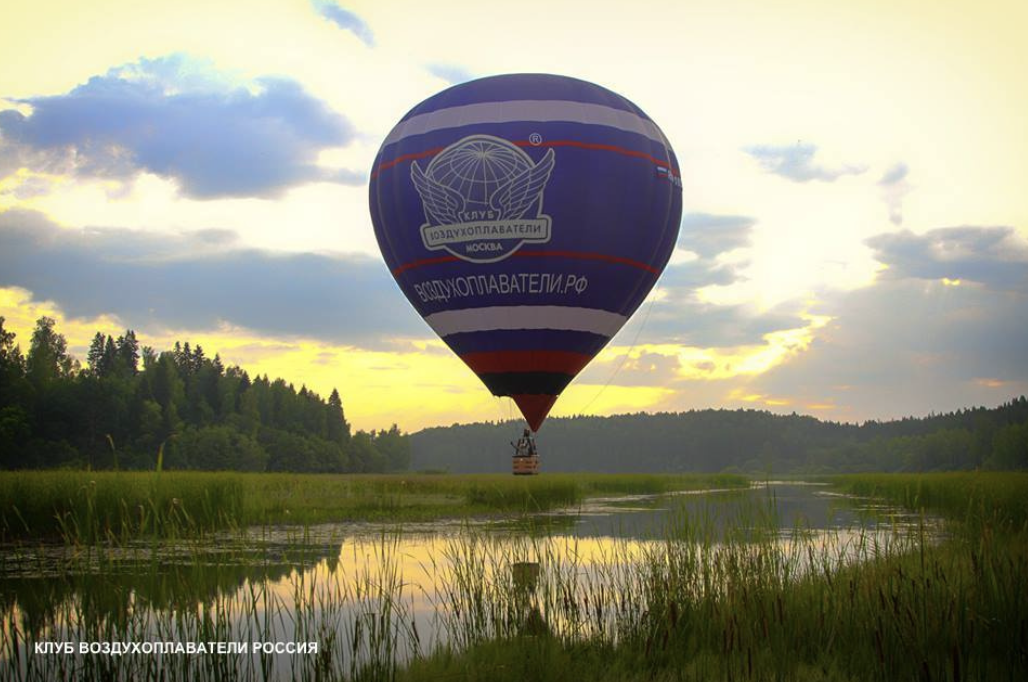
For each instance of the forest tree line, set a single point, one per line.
(129, 405)
(748, 441)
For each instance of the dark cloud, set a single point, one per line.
(994, 256)
(164, 116)
(684, 279)
(906, 346)
(199, 280)
(679, 316)
(450, 73)
(796, 162)
(912, 343)
(202, 278)
(345, 19)
(709, 235)
(693, 323)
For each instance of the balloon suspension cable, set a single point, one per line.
(502, 417)
(510, 417)
(628, 353)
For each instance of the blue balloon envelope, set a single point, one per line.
(526, 217)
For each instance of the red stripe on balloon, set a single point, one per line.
(534, 407)
(563, 362)
(405, 157)
(525, 253)
(587, 256)
(424, 261)
(663, 163)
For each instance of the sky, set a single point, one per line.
(854, 243)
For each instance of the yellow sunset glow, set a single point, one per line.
(740, 395)
(437, 388)
(912, 112)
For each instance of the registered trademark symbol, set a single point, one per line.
(535, 139)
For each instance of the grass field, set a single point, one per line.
(85, 506)
(750, 605)
(918, 609)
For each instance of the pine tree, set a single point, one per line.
(149, 356)
(48, 353)
(6, 342)
(12, 365)
(337, 430)
(109, 360)
(185, 361)
(96, 353)
(196, 362)
(128, 352)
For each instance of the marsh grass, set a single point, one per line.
(978, 501)
(706, 598)
(759, 602)
(89, 507)
(287, 593)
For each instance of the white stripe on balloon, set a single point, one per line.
(565, 318)
(526, 111)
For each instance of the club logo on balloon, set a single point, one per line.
(479, 194)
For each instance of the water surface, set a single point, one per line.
(371, 594)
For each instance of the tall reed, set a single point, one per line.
(704, 598)
(86, 507)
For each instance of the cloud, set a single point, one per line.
(176, 118)
(702, 239)
(345, 19)
(936, 331)
(903, 343)
(205, 279)
(629, 368)
(796, 162)
(894, 188)
(682, 280)
(942, 328)
(697, 324)
(681, 316)
(202, 280)
(996, 257)
(29, 188)
(709, 235)
(895, 175)
(450, 73)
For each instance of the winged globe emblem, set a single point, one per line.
(441, 203)
(521, 191)
(478, 195)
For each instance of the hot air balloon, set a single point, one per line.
(526, 217)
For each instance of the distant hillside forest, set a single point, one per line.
(128, 404)
(741, 441)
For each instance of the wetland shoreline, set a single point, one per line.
(104, 506)
(713, 595)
